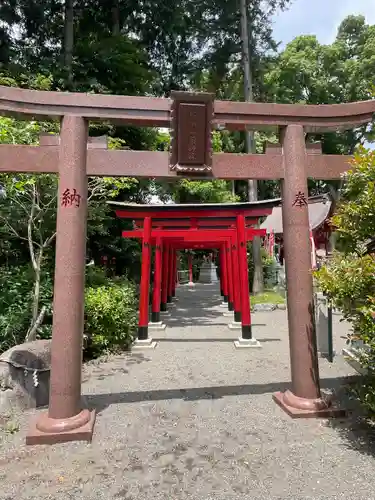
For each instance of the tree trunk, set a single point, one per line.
(33, 330)
(258, 284)
(36, 293)
(115, 18)
(69, 41)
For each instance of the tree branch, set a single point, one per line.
(12, 230)
(31, 334)
(30, 232)
(49, 240)
(94, 186)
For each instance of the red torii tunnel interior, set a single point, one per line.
(170, 228)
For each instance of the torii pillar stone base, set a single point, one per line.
(83, 428)
(148, 343)
(297, 407)
(241, 343)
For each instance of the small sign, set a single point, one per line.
(191, 117)
(192, 137)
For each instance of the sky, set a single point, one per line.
(319, 17)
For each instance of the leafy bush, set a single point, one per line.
(110, 312)
(349, 278)
(96, 276)
(16, 284)
(110, 317)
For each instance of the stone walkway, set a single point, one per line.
(194, 419)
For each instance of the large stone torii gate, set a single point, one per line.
(191, 117)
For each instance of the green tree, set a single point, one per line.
(28, 208)
(312, 73)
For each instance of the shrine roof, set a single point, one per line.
(319, 211)
(186, 210)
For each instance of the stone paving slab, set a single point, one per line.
(194, 420)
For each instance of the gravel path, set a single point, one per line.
(194, 419)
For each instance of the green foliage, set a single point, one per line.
(96, 276)
(355, 220)
(308, 72)
(269, 297)
(110, 317)
(111, 64)
(267, 263)
(192, 191)
(16, 304)
(28, 81)
(110, 311)
(349, 278)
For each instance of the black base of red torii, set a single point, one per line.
(170, 228)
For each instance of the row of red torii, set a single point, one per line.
(169, 228)
(191, 117)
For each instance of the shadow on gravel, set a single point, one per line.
(101, 401)
(175, 322)
(194, 316)
(357, 432)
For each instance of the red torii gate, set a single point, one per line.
(165, 239)
(195, 223)
(210, 223)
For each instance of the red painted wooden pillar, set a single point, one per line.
(228, 249)
(175, 281)
(164, 286)
(174, 274)
(145, 280)
(156, 297)
(236, 284)
(190, 265)
(223, 273)
(244, 277)
(170, 274)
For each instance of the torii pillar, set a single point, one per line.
(175, 262)
(304, 399)
(246, 340)
(236, 324)
(164, 281)
(223, 275)
(190, 268)
(143, 340)
(228, 257)
(156, 322)
(66, 418)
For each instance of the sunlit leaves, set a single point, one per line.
(355, 218)
(349, 278)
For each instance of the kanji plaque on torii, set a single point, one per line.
(191, 124)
